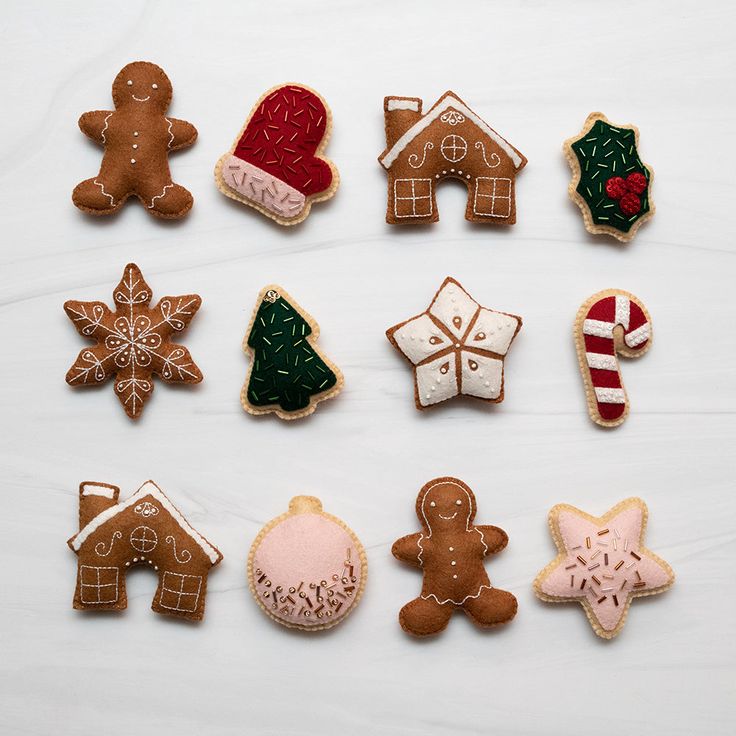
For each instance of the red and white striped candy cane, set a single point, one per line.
(598, 341)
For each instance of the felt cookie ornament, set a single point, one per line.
(610, 323)
(276, 164)
(137, 136)
(602, 563)
(450, 551)
(145, 530)
(306, 568)
(456, 347)
(610, 183)
(287, 375)
(449, 141)
(134, 342)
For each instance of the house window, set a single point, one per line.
(144, 539)
(492, 197)
(98, 584)
(180, 592)
(454, 148)
(413, 198)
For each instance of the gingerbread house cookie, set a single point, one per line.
(449, 141)
(145, 530)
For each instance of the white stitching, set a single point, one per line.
(102, 132)
(427, 146)
(171, 134)
(457, 603)
(413, 198)
(159, 196)
(493, 197)
(112, 199)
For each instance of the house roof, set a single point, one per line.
(149, 488)
(445, 102)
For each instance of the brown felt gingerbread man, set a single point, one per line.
(137, 137)
(450, 551)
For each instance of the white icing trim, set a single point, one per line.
(638, 336)
(112, 199)
(160, 196)
(610, 395)
(598, 328)
(102, 132)
(457, 603)
(623, 311)
(601, 361)
(170, 132)
(148, 488)
(413, 198)
(94, 489)
(431, 116)
(398, 103)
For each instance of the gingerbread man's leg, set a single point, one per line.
(100, 195)
(491, 607)
(424, 616)
(163, 198)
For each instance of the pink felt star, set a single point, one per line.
(603, 563)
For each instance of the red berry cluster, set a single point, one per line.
(627, 191)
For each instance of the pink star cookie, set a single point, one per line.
(603, 563)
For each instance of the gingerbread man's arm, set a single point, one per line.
(94, 124)
(407, 549)
(183, 134)
(496, 539)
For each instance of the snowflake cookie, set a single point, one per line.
(145, 530)
(610, 183)
(134, 342)
(307, 569)
(450, 551)
(456, 347)
(602, 563)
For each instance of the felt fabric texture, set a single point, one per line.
(610, 183)
(146, 530)
(450, 551)
(134, 342)
(276, 164)
(287, 375)
(602, 563)
(450, 141)
(610, 323)
(456, 347)
(307, 569)
(137, 137)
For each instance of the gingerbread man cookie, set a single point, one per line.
(137, 137)
(450, 551)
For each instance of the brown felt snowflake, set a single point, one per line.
(133, 342)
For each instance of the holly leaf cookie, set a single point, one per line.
(450, 551)
(306, 568)
(276, 164)
(610, 182)
(449, 141)
(137, 136)
(456, 347)
(602, 563)
(133, 343)
(287, 375)
(145, 530)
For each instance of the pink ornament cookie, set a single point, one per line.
(306, 568)
(602, 563)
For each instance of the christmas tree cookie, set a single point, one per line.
(287, 375)
(610, 183)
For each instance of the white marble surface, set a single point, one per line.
(534, 70)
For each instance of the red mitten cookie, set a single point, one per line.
(275, 164)
(137, 136)
(450, 551)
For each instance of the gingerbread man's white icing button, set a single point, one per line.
(135, 133)
(132, 160)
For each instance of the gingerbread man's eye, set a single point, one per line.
(155, 86)
(130, 83)
(432, 504)
(458, 502)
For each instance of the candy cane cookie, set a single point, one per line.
(610, 323)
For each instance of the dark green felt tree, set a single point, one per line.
(614, 182)
(286, 370)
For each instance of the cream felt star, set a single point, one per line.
(603, 563)
(134, 341)
(456, 347)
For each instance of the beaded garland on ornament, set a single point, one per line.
(611, 184)
(456, 347)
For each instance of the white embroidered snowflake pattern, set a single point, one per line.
(133, 343)
(456, 347)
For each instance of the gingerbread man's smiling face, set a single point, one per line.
(446, 505)
(142, 84)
